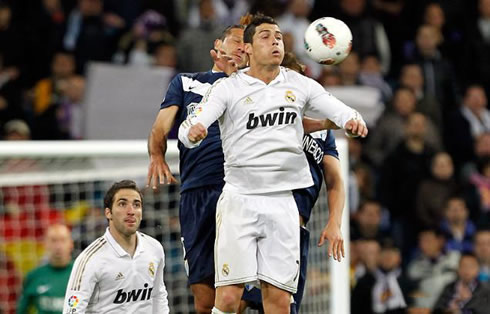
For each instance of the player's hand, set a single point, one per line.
(355, 128)
(223, 62)
(158, 172)
(332, 234)
(197, 132)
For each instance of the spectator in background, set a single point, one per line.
(439, 78)
(411, 76)
(366, 223)
(434, 191)
(70, 113)
(349, 69)
(467, 122)
(402, 171)
(482, 252)
(467, 294)
(477, 48)
(91, 34)
(385, 289)
(370, 75)
(457, 227)
(227, 12)
(479, 192)
(481, 150)
(44, 287)
(194, 43)
(165, 55)
(433, 268)
(16, 130)
(369, 33)
(368, 251)
(388, 134)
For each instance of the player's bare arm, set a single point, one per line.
(312, 125)
(336, 200)
(158, 170)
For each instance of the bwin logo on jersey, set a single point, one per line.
(133, 295)
(270, 119)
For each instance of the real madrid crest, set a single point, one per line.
(151, 269)
(290, 97)
(225, 270)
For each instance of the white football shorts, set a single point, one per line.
(257, 238)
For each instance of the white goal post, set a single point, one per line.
(74, 174)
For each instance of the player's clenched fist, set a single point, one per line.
(197, 132)
(355, 128)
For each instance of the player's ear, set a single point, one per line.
(108, 213)
(217, 44)
(248, 48)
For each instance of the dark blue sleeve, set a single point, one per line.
(329, 147)
(175, 93)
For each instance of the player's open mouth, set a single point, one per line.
(276, 53)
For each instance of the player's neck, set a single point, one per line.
(128, 243)
(265, 73)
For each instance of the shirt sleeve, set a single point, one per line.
(321, 104)
(160, 298)
(330, 147)
(25, 298)
(81, 285)
(211, 107)
(175, 93)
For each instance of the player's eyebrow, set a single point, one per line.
(268, 30)
(125, 199)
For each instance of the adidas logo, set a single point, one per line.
(119, 276)
(248, 101)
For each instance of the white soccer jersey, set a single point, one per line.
(106, 279)
(261, 128)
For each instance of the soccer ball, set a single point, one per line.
(328, 40)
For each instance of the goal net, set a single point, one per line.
(46, 182)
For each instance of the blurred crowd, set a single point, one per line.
(419, 184)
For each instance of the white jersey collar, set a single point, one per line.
(119, 250)
(252, 80)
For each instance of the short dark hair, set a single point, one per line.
(257, 20)
(227, 30)
(468, 254)
(124, 184)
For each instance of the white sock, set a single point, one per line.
(216, 311)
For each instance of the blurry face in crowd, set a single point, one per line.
(412, 77)
(233, 46)
(59, 245)
(430, 244)
(90, 7)
(349, 68)
(427, 39)
(482, 147)
(300, 8)
(482, 247)
(468, 269)
(75, 88)
(475, 99)
(5, 15)
(63, 65)
(389, 259)
(456, 211)
(434, 15)
(404, 102)
(370, 64)
(368, 253)
(206, 10)
(353, 7)
(416, 126)
(442, 166)
(484, 8)
(267, 47)
(166, 56)
(370, 215)
(126, 212)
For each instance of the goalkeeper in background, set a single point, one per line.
(44, 287)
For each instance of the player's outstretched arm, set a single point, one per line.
(311, 125)
(158, 170)
(336, 200)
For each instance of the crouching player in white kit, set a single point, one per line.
(260, 112)
(122, 271)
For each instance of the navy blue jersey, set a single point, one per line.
(203, 165)
(315, 146)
